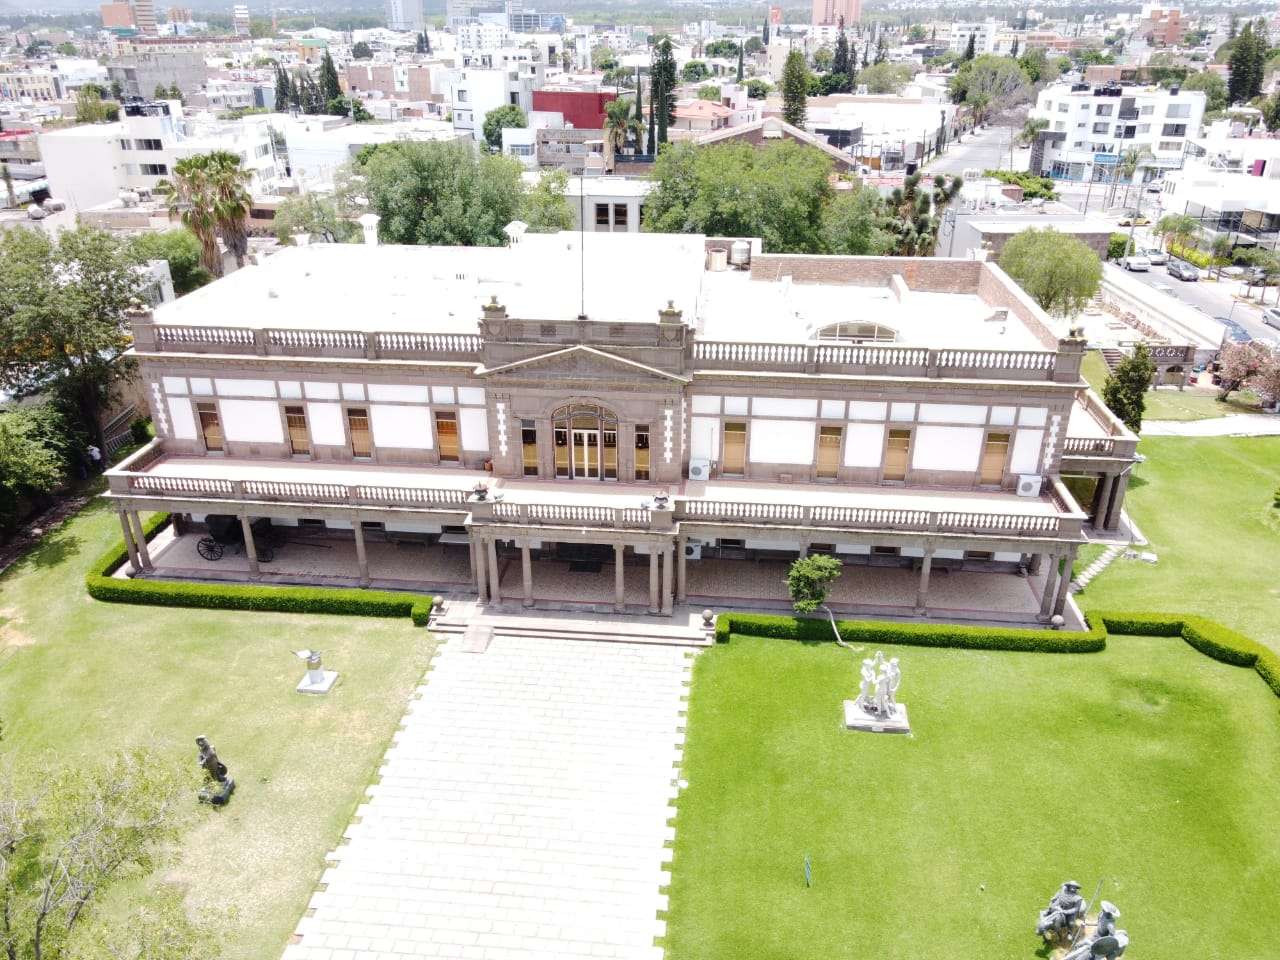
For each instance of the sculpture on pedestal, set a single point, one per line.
(1107, 942)
(1064, 914)
(218, 786)
(877, 693)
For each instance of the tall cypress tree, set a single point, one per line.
(740, 46)
(1244, 81)
(653, 100)
(840, 62)
(766, 33)
(665, 102)
(640, 113)
(795, 90)
(330, 89)
(970, 48)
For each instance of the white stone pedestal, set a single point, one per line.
(855, 718)
(318, 681)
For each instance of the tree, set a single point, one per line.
(330, 88)
(545, 207)
(315, 214)
(709, 93)
(823, 58)
(84, 832)
(181, 250)
(775, 192)
(851, 223)
(351, 107)
(809, 581)
(662, 88)
(753, 46)
(911, 216)
(765, 35)
(639, 117)
(757, 89)
(421, 44)
(694, 71)
(441, 193)
(1238, 364)
(61, 306)
(361, 51)
(619, 126)
(37, 449)
(1245, 66)
(1221, 248)
(1031, 129)
(738, 79)
(882, 78)
(208, 194)
(989, 84)
(1125, 390)
(722, 48)
(840, 62)
(11, 197)
(286, 94)
(795, 87)
(1178, 229)
(91, 109)
(499, 119)
(1058, 271)
(970, 48)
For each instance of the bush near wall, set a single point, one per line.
(233, 596)
(1191, 255)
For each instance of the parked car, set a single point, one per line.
(1133, 220)
(1183, 270)
(1234, 330)
(1157, 256)
(1135, 261)
(1271, 317)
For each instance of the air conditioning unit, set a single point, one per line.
(693, 550)
(1029, 485)
(699, 469)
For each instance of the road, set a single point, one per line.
(981, 150)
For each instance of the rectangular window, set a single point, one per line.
(126, 143)
(147, 145)
(895, 455)
(299, 441)
(210, 426)
(829, 452)
(447, 437)
(1101, 127)
(620, 216)
(602, 215)
(1173, 130)
(1064, 107)
(1178, 111)
(561, 438)
(361, 437)
(733, 463)
(1104, 109)
(994, 455)
(529, 447)
(642, 451)
(610, 443)
(460, 96)
(155, 170)
(1148, 110)
(1169, 146)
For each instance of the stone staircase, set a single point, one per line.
(460, 620)
(1112, 357)
(1088, 573)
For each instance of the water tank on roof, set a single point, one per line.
(740, 254)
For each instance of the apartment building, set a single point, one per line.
(1161, 26)
(1091, 127)
(520, 404)
(477, 90)
(24, 85)
(984, 36)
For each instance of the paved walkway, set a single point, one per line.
(521, 812)
(1236, 425)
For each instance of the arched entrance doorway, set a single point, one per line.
(586, 441)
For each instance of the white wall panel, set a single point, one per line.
(1026, 451)
(772, 545)
(948, 554)
(947, 448)
(867, 410)
(704, 438)
(183, 419)
(251, 421)
(401, 426)
(399, 527)
(290, 389)
(864, 445)
(333, 524)
(903, 412)
(1003, 416)
(735, 406)
(783, 407)
(781, 441)
(705, 404)
(857, 548)
(394, 393)
(952, 413)
(1033, 416)
(472, 396)
(442, 394)
(833, 409)
(325, 423)
(245, 388)
(175, 386)
(353, 391)
(202, 386)
(912, 551)
(1008, 557)
(321, 391)
(474, 427)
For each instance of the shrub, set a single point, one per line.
(1191, 255)
(1116, 246)
(140, 430)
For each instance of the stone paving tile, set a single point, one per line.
(521, 811)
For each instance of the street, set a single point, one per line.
(980, 150)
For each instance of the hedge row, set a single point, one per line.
(232, 596)
(813, 630)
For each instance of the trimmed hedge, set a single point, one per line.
(815, 630)
(233, 596)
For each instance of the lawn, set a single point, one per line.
(81, 678)
(1169, 403)
(1206, 507)
(1147, 766)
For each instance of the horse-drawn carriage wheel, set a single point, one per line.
(209, 548)
(266, 554)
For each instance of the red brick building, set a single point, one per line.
(582, 108)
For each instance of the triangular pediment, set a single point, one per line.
(580, 363)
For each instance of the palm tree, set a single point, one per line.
(208, 194)
(1131, 161)
(619, 125)
(1178, 229)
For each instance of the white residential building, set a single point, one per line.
(1091, 127)
(1231, 185)
(404, 15)
(481, 35)
(984, 36)
(477, 91)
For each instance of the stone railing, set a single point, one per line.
(571, 515)
(1089, 446)
(875, 359)
(279, 491)
(338, 344)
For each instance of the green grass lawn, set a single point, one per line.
(1148, 766)
(1168, 403)
(1205, 505)
(78, 677)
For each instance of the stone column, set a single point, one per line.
(132, 548)
(526, 573)
(922, 592)
(1050, 586)
(362, 558)
(1037, 561)
(1064, 584)
(495, 588)
(140, 538)
(250, 548)
(653, 578)
(667, 571)
(478, 566)
(619, 578)
(1116, 505)
(682, 571)
(1103, 508)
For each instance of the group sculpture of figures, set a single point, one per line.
(878, 692)
(217, 785)
(1063, 922)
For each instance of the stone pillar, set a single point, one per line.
(1037, 561)
(682, 571)
(922, 592)
(495, 588)
(1050, 587)
(1116, 505)
(140, 538)
(619, 578)
(667, 571)
(653, 578)
(362, 558)
(127, 529)
(526, 573)
(1064, 584)
(250, 548)
(479, 566)
(1103, 500)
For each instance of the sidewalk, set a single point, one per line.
(1238, 425)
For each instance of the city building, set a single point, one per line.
(139, 74)
(118, 15)
(518, 403)
(1231, 186)
(144, 16)
(240, 20)
(984, 36)
(1091, 128)
(584, 109)
(404, 15)
(477, 90)
(1161, 26)
(26, 84)
(827, 12)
